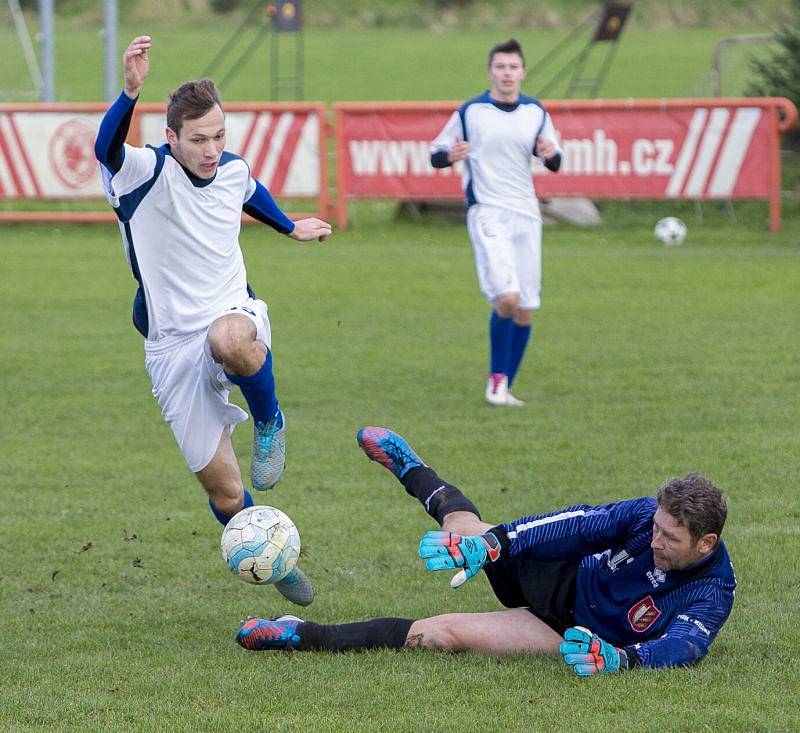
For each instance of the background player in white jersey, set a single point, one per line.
(179, 208)
(495, 134)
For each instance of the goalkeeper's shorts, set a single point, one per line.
(547, 589)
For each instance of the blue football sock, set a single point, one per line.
(224, 519)
(519, 341)
(259, 391)
(499, 343)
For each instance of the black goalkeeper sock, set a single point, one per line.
(438, 497)
(378, 633)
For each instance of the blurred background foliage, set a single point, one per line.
(445, 14)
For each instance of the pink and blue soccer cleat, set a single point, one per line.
(389, 449)
(260, 634)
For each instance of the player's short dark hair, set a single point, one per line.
(695, 503)
(512, 45)
(190, 101)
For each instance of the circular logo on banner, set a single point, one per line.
(72, 153)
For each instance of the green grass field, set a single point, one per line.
(647, 362)
(381, 64)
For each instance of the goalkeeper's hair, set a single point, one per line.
(695, 503)
(190, 101)
(512, 45)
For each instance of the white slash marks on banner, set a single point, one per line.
(687, 152)
(258, 129)
(16, 174)
(302, 175)
(262, 149)
(712, 137)
(733, 152)
(276, 145)
(706, 134)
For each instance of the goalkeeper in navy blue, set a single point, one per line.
(495, 136)
(645, 582)
(179, 208)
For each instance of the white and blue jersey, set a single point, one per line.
(662, 618)
(180, 232)
(502, 140)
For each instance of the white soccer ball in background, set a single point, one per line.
(260, 544)
(670, 230)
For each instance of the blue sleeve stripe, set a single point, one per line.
(130, 201)
(541, 126)
(262, 207)
(228, 157)
(139, 315)
(109, 146)
(462, 114)
(470, 192)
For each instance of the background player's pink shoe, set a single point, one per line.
(497, 389)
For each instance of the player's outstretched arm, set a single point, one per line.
(136, 63)
(306, 230)
(443, 550)
(588, 654)
(109, 148)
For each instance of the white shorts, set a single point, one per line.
(192, 389)
(508, 253)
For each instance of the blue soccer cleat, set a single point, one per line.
(389, 449)
(296, 587)
(261, 634)
(269, 453)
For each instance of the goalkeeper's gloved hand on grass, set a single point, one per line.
(588, 654)
(447, 551)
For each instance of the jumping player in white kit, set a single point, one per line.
(179, 208)
(496, 134)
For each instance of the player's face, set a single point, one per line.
(506, 72)
(200, 143)
(673, 545)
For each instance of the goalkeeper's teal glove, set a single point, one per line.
(447, 551)
(588, 654)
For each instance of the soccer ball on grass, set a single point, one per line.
(670, 230)
(260, 544)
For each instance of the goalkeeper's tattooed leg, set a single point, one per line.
(497, 632)
(516, 631)
(415, 641)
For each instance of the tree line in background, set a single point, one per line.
(444, 14)
(778, 75)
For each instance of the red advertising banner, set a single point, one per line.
(654, 149)
(47, 151)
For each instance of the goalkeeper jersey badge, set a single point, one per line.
(643, 614)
